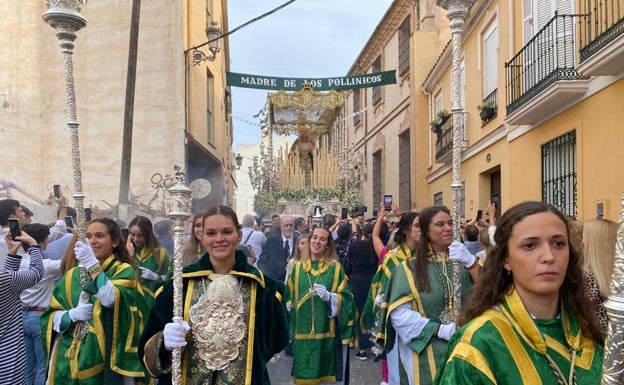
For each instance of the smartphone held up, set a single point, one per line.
(14, 228)
(387, 202)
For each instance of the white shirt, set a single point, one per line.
(256, 240)
(39, 295)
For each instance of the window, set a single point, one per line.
(490, 56)
(356, 108)
(405, 193)
(559, 173)
(209, 107)
(437, 199)
(377, 177)
(404, 47)
(547, 54)
(377, 90)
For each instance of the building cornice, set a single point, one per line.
(387, 27)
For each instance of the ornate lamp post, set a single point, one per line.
(613, 365)
(178, 207)
(64, 16)
(457, 12)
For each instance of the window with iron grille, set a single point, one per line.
(356, 107)
(559, 173)
(377, 177)
(404, 47)
(437, 199)
(405, 193)
(209, 107)
(376, 67)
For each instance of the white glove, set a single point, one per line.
(174, 335)
(148, 274)
(458, 252)
(379, 300)
(446, 331)
(84, 254)
(321, 292)
(82, 312)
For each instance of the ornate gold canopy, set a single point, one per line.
(304, 112)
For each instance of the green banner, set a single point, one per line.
(323, 84)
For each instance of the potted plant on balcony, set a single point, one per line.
(487, 110)
(440, 118)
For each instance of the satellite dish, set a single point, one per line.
(200, 188)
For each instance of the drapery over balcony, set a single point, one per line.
(601, 36)
(550, 56)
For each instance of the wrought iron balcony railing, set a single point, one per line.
(602, 22)
(550, 56)
(444, 138)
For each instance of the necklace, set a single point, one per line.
(441, 259)
(561, 380)
(311, 290)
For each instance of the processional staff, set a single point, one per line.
(178, 206)
(64, 16)
(613, 365)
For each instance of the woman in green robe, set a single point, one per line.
(417, 316)
(322, 314)
(234, 317)
(528, 321)
(153, 260)
(92, 326)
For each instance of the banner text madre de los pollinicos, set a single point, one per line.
(319, 84)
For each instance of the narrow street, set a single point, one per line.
(362, 372)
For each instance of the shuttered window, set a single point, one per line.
(377, 177)
(356, 107)
(490, 59)
(376, 67)
(404, 47)
(405, 193)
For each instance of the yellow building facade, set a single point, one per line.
(547, 78)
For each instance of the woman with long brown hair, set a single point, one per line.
(91, 327)
(528, 321)
(153, 260)
(419, 306)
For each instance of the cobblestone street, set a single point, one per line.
(362, 372)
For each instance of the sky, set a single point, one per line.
(306, 39)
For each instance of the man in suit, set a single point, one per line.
(278, 249)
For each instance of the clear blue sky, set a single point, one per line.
(308, 38)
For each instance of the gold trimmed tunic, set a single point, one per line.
(265, 331)
(506, 345)
(113, 335)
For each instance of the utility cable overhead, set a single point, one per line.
(242, 25)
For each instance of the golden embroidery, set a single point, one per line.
(218, 323)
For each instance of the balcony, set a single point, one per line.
(601, 34)
(444, 139)
(488, 109)
(542, 77)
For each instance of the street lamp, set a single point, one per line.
(64, 16)
(239, 161)
(457, 12)
(214, 34)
